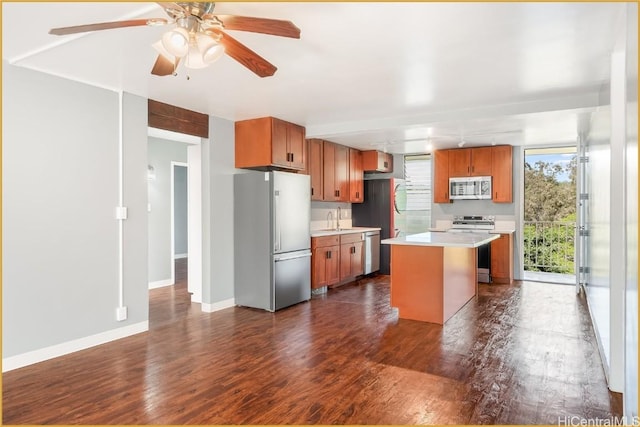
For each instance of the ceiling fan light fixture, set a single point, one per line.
(210, 50)
(176, 42)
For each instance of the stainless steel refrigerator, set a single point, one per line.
(272, 243)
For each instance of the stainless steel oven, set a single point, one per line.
(477, 224)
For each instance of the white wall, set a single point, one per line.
(631, 228)
(60, 236)
(161, 153)
(218, 160)
(607, 246)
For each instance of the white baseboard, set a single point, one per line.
(180, 256)
(40, 355)
(160, 283)
(220, 305)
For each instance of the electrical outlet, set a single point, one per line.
(121, 314)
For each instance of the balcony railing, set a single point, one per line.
(549, 246)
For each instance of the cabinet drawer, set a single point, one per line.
(320, 242)
(351, 238)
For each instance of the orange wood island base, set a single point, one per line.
(433, 275)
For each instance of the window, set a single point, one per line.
(416, 206)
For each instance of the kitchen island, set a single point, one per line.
(433, 275)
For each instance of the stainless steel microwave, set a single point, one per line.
(470, 188)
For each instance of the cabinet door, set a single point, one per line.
(357, 259)
(356, 184)
(342, 172)
(345, 260)
(315, 168)
(333, 265)
(501, 170)
(319, 268)
(441, 177)
(459, 162)
(481, 161)
(279, 149)
(296, 146)
(329, 171)
(502, 259)
(385, 162)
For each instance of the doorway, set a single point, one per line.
(550, 182)
(174, 209)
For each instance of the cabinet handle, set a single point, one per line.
(357, 195)
(312, 191)
(328, 254)
(292, 157)
(386, 165)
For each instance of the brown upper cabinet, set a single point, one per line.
(441, 176)
(377, 161)
(268, 142)
(502, 173)
(356, 183)
(470, 162)
(316, 169)
(336, 172)
(489, 161)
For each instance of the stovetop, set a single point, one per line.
(473, 222)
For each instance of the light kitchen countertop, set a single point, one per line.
(494, 231)
(320, 233)
(459, 240)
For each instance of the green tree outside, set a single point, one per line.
(550, 205)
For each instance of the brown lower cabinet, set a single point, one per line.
(351, 255)
(325, 261)
(336, 259)
(502, 259)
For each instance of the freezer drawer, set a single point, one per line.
(292, 278)
(371, 251)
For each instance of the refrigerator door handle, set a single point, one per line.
(287, 258)
(277, 233)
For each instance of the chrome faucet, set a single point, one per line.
(338, 215)
(329, 220)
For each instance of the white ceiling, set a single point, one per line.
(392, 76)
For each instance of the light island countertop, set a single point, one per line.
(456, 240)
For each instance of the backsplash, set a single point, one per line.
(320, 213)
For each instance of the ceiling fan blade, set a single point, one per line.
(246, 56)
(166, 5)
(164, 67)
(106, 26)
(274, 27)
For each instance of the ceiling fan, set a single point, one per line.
(199, 37)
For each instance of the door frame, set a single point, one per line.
(172, 212)
(194, 207)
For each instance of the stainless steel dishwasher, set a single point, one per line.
(371, 251)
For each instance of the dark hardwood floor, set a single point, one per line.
(516, 354)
